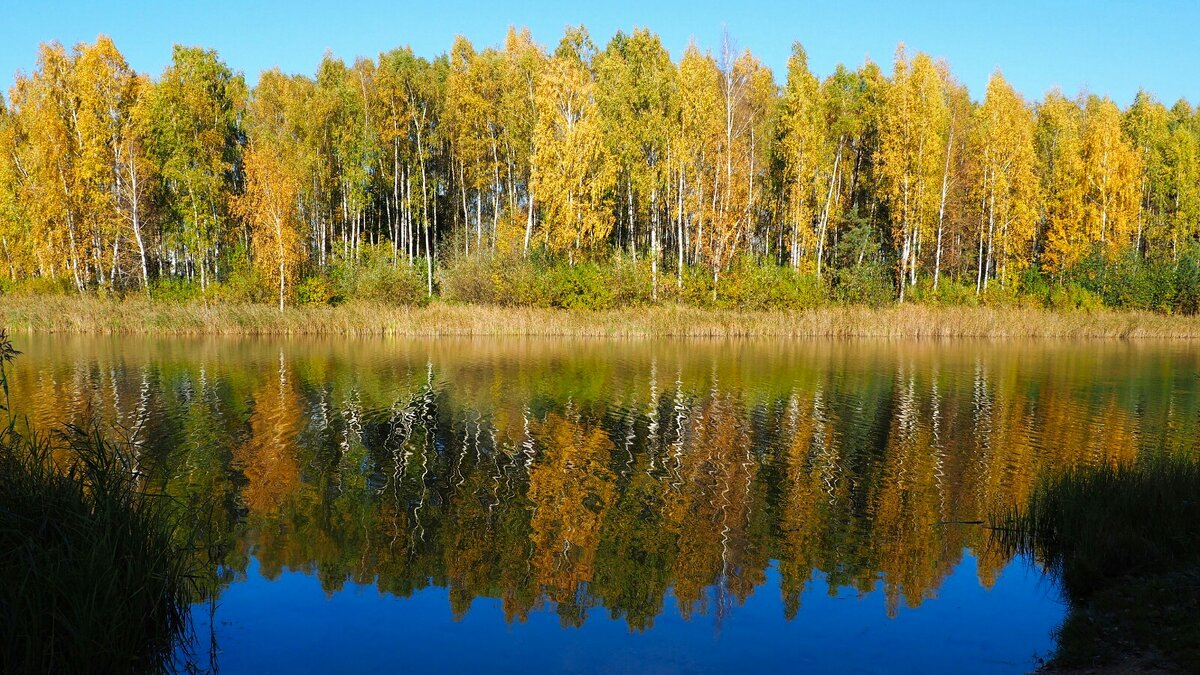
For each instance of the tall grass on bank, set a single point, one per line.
(89, 314)
(1093, 526)
(96, 574)
(1124, 544)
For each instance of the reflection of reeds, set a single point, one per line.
(1093, 526)
(97, 578)
(74, 314)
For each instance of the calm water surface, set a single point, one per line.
(581, 505)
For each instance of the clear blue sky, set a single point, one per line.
(1107, 47)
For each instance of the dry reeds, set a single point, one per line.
(67, 314)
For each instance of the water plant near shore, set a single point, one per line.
(1124, 544)
(98, 572)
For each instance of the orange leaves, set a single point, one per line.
(570, 488)
(269, 204)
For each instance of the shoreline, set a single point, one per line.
(92, 315)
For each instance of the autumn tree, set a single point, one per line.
(747, 96)
(473, 97)
(525, 61)
(802, 147)
(698, 141)
(1059, 146)
(47, 158)
(636, 98)
(350, 146)
(1146, 126)
(412, 92)
(274, 168)
(14, 235)
(1182, 177)
(912, 153)
(109, 179)
(853, 103)
(573, 171)
(1006, 187)
(1112, 178)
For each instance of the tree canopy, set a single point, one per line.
(111, 179)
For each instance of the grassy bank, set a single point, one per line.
(1124, 544)
(96, 574)
(97, 579)
(86, 314)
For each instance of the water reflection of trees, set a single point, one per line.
(575, 482)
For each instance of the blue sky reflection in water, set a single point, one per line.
(291, 625)
(564, 504)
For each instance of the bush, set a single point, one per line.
(1187, 285)
(581, 286)
(175, 289)
(244, 283)
(1001, 295)
(39, 286)
(1072, 296)
(752, 285)
(376, 277)
(316, 290)
(537, 280)
(949, 293)
(489, 280)
(540, 281)
(1126, 282)
(869, 283)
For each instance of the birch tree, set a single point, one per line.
(1006, 188)
(913, 153)
(573, 171)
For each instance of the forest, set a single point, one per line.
(590, 177)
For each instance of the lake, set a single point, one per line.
(599, 506)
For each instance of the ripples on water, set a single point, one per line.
(685, 491)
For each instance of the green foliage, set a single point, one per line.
(316, 290)
(542, 281)
(869, 283)
(244, 283)
(1187, 284)
(949, 293)
(175, 289)
(377, 277)
(37, 286)
(1072, 296)
(751, 285)
(581, 286)
(1129, 282)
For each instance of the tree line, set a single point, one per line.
(113, 180)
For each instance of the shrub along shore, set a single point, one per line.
(137, 315)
